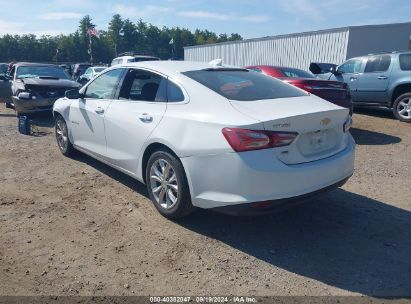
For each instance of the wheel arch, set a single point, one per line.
(149, 150)
(399, 90)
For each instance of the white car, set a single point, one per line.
(132, 58)
(208, 136)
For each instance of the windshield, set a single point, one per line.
(296, 73)
(243, 85)
(41, 72)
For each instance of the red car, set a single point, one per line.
(334, 91)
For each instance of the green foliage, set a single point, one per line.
(122, 35)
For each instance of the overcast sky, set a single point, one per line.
(249, 18)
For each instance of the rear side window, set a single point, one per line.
(243, 85)
(405, 62)
(174, 93)
(378, 64)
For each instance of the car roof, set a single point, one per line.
(171, 67)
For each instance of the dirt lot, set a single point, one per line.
(77, 227)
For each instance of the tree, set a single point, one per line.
(140, 36)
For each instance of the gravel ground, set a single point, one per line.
(78, 227)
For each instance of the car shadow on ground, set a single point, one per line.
(375, 111)
(340, 238)
(368, 138)
(114, 174)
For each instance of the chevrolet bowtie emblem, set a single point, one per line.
(325, 121)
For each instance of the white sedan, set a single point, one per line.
(204, 135)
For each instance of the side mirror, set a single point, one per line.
(73, 94)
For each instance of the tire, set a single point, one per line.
(172, 196)
(8, 105)
(402, 107)
(63, 141)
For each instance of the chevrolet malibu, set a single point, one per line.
(208, 136)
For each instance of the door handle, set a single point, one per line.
(382, 77)
(99, 110)
(145, 117)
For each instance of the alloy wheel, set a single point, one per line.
(404, 108)
(164, 183)
(61, 134)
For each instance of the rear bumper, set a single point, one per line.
(267, 207)
(33, 105)
(242, 178)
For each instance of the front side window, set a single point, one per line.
(243, 85)
(144, 86)
(351, 66)
(378, 64)
(104, 86)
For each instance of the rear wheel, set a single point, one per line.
(402, 107)
(62, 138)
(167, 185)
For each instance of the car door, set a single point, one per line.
(87, 113)
(373, 83)
(132, 117)
(349, 73)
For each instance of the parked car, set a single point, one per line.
(79, 69)
(34, 87)
(90, 73)
(5, 89)
(128, 57)
(334, 91)
(181, 128)
(377, 80)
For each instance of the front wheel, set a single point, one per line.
(402, 107)
(62, 138)
(167, 185)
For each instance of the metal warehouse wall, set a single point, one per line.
(297, 50)
(378, 38)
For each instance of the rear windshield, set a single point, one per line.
(98, 70)
(41, 72)
(243, 85)
(295, 73)
(138, 59)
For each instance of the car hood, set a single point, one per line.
(50, 82)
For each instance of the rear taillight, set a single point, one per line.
(246, 140)
(347, 124)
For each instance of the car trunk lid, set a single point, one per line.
(319, 125)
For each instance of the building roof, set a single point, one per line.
(331, 30)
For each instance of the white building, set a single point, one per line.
(299, 50)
